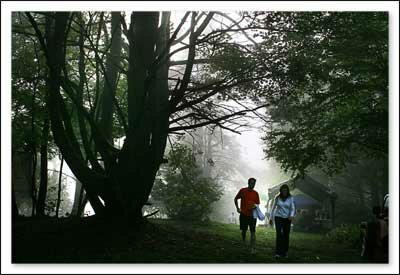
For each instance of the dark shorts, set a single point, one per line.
(246, 221)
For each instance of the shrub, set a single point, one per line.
(345, 233)
(182, 189)
(304, 223)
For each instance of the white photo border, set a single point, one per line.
(9, 6)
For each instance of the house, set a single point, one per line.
(315, 202)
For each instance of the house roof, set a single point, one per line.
(308, 186)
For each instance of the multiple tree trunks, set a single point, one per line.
(144, 145)
(60, 119)
(125, 178)
(119, 181)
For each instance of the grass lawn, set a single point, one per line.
(162, 241)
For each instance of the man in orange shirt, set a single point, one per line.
(248, 200)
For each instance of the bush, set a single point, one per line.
(182, 189)
(305, 223)
(345, 233)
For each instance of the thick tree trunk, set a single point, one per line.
(144, 145)
(41, 202)
(126, 182)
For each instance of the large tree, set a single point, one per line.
(152, 95)
(329, 101)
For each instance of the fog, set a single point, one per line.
(251, 155)
(248, 142)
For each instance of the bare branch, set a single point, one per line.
(183, 36)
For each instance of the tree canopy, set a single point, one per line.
(317, 80)
(109, 80)
(330, 101)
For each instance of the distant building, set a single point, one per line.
(315, 202)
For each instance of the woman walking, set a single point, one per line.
(282, 212)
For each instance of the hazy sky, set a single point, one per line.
(252, 148)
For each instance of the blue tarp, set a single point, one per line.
(303, 200)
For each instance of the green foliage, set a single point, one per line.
(27, 81)
(185, 193)
(345, 233)
(52, 193)
(359, 187)
(305, 222)
(330, 98)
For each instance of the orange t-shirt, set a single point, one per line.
(247, 200)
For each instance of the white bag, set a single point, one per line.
(257, 214)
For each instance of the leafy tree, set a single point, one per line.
(219, 155)
(30, 120)
(184, 190)
(329, 89)
(95, 77)
(108, 81)
(359, 187)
